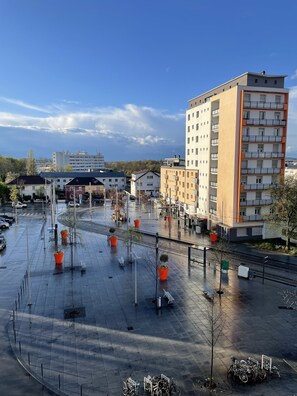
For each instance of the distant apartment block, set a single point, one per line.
(78, 162)
(235, 141)
(145, 182)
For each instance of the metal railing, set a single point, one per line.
(265, 122)
(263, 105)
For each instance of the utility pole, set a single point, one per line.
(265, 261)
(157, 258)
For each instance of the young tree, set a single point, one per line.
(283, 210)
(131, 235)
(14, 194)
(215, 325)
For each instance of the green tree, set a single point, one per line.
(4, 193)
(30, 164)
(283, 210)
(14, 194)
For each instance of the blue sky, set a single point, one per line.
(115, 76)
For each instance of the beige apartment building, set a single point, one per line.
(236, 142)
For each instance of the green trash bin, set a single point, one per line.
(225, 265)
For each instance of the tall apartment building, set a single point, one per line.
(236, 140)
(79, 162)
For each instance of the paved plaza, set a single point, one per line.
(84, 332)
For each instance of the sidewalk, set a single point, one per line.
(109, 338)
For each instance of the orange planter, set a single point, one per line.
(64, 234)
(163, 273)
(59, 258)
(137, 223)
(113, 241)
(213, 237)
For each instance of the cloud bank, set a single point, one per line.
(127, 132)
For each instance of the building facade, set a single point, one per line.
(78, 162)
(145, 182)
(235, 140)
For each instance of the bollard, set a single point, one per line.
(81, 390)
(59, 381)
(29, 361)
(159, 302)
(41, 369)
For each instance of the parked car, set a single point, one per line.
(72, 204)
(18, 205)
(2, 242)
(7, 217)
(5, 220)
(4, 225)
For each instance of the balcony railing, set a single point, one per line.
(260, 171)
(194, 192)
(214, 142)
(213, 184)
(256, 202)
(213, 198)
(215, 127)
(263, 105)
(264, 139)
(194, 181)
(252, 218)
(258, 186)
(258, 154)
(212, 211)
(214, 170)
(215, 113)
(214, 156)
(265, 122)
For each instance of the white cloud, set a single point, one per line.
(142, 126)
(22, 104)
(294, 75)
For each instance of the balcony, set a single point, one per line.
(258, 154)
(214, 156)
(194, 181)
(265, 122)
(213, 198)
(212, 211)
(262, 139)
(215, 127)
(214, 142)
(194, 192)
(213, 184)
(214, 170)
(253, 218)
(263, 105)
(260, 171)
(258, 186)
(215, 113)
(256, 202)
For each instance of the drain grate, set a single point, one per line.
(72, 313)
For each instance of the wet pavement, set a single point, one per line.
(84, 332)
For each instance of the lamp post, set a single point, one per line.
(157, 258)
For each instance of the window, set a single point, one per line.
(197, 127)
(263, 98)
(188, 129)
(197, 139)
(189, 117)
(262, 115)
(259, 180)
(257, 210)
(245, 147)
(197, 114)
(188, 151)
(242, 197)
(258, 195)
(278, 99)
(266, 81)
(246, 115)
(277, 132)
(247, 97)
(242, 212)
(150, 177)
(196, 151)
(196, 163)
(188, 140)
(256, 80)
(243, 180)
(246, 131)
(260, 148)
(275, 148)
(274, 163)
(261, 131)
(277, 115)
(260, 164)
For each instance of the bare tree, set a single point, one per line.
(215, 325)
(221, 252)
